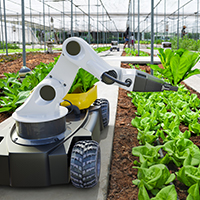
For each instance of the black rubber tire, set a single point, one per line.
(104, 103)
(85, 164)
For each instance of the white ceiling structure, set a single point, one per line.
(104, 15)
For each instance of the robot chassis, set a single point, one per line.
(46, 145)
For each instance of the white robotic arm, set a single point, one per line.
(43, 105)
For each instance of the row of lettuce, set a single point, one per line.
(159, 116)
(185, 43)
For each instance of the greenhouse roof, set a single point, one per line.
(104, 15)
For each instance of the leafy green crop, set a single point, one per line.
(160, 115)
(195, 127)
(173, 134)
(177, 64)
(134, 52)
(189, 175)
(166, 193)
(149, 154)
(194, 192)
(183, 152)
(154, 177)
(100, 49)
(12, 95)
(83, 81)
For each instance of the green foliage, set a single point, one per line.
(195, 127)
(9, 45)
(154, 177)
(134, 52)
(189, 175)
(160, 115)
(149, 154)
(14, 92)
(100, 49)
(194, 192)
(177, 64)
(186, 43)
(183, 152)
(166, 193)
(13, 95)
(83, 81)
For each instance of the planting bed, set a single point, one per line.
(125, 138)
(122, 173)
(13, 63)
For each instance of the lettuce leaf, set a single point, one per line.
(177, 64)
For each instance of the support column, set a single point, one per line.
(72, 34)
(138, 27)
(178, 26)
(23, 35)
(4, 6)
(152, 33)
(1, 26)
(89, 22)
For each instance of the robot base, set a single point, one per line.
(59, 161)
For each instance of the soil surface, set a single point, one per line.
(125, 136)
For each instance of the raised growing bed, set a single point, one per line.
(122, 174)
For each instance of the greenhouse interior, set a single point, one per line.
(96, 21)
(100, 99)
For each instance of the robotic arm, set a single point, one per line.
(43, 105)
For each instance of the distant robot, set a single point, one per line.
(114, 45)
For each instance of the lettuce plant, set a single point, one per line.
(154, 177)
(183, 152)
(177, 64)
(148, 121)
(195, 127)
(166, 193)
(13, 95)
(189, 175)
(194, 192)
(174, 134)
(149, 154)
(83, 81)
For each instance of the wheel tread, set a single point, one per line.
(83, 164)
